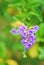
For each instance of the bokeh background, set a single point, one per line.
(14, 13)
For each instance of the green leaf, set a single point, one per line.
(41, 50)
(41, 29)
(18, 46)
(37, 1)
(40, 33)
(2, 63)
(3, 6)
(37, 13)
(8, 17)
(33, 4)
(2, 50)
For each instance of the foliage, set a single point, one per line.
(12, 14)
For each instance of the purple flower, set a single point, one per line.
(22, 30)
(32, 38)
(24, 42)
(24, 37)
(14, 31)
(28, 36)
(24, 33)
(36, 28)
(30, 32)
(28, 46)
(22, 27)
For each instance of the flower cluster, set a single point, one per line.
(28, 35)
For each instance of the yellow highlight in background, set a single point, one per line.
(33, 52)
(16, 24)
(11, 62)
(1, 60)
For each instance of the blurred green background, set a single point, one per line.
(14, 13)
